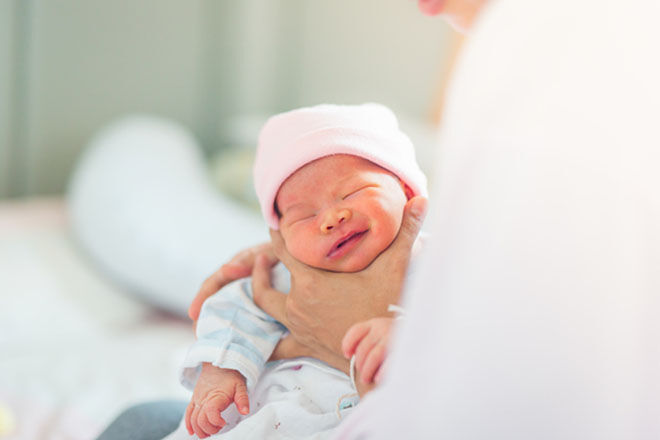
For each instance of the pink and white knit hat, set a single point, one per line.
(292, 139)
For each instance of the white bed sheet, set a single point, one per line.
(75, 349)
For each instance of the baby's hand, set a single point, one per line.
(214, 391)
(368, 341)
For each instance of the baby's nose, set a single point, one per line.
(333, 218)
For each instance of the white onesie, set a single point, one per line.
(300, 398)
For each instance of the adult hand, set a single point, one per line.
(289, 347)
(322, 305)
(238, 267)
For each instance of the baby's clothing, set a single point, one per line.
(294, 399)
(300, 398)
(233, 332)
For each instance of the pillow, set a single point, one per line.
(143, 209)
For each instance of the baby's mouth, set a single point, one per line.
(346, 243)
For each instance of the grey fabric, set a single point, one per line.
(146, 421)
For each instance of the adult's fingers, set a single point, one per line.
(268, 299)
(266, 249)
(278, 243)
(238, 267)
(215, 282)
(353, 337)
(241, 398)
(204, 292)
(244, 260)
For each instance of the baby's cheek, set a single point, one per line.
(303, 251)
(384, 235)
(389, 221)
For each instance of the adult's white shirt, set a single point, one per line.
(536, 310)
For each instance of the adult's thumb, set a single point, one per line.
(279, 248)
(413, 218)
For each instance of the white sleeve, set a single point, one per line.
(535, 310)
(232, 332)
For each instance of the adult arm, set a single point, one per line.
(240, 266)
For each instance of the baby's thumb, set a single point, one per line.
(241, 398)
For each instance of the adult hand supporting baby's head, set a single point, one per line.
(322, 305)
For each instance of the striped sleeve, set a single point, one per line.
(232, 332)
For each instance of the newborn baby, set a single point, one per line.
(334, 180)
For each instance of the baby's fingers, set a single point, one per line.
(206, 426)
(194, 416)
(213, 408)
(353, 337)
(378, 377)
(215, 418)
(372, 363)
(189, 410)
(366, 345)
(241, 398)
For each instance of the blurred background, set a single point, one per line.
(219, 67)
(127, 130)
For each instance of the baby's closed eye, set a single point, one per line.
(300, 217)
(358, 191)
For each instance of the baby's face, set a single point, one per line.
(340, 212)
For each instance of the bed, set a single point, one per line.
(94, 285)
(76, 348)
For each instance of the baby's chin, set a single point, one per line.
(344, 266)
(351, 268)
